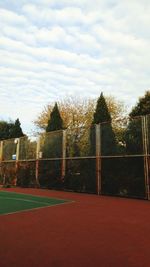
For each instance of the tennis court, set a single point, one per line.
(15, 202)
(81, 230)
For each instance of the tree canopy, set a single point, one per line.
(16, 130)
(142, 107)
(103, 116)
(133, 133)
(101, 113)
(78, 112)
(52, 142)
(10, 129)
(55, 122)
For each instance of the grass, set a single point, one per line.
(15, 202)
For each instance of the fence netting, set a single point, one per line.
(123, 176)
(49, 174)
(80, 142)
(122, 163)
(108, 158)
(27, 148)
(9, 149)
(148, 133)
(148, 151)
(51, 144)
(26, 173)
(8, 172)
(80, 175)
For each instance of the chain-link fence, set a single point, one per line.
(104, 159)
(27, 148)
(9, 149)
(80, 175)
(122, 163)
(50, 145)
(148, 127)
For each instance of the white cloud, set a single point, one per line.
(49, 16)
(7, 16)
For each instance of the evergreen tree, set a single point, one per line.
(52, 146)
(108, 143)
(142, 107)
(10, 130)
(133, 134)
(134, 146)
(4, 130)
(15, 130)
(55, 122)
(101, 113)
(102, 116)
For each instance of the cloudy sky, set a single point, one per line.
(53, 48)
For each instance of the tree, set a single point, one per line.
(4, 130)
(52, 140)
(118, 111)
(51, 146)
(142, 107)
(15, 130)
(134, 146)
(102, 116)
(77, 115)
(55, 122)
(74, 112)
(101, 113)
(10, 130)
(133, 134)
(78, 112)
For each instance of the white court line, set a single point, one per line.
(27, 200)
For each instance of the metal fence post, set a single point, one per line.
(63, 170)
(1, 150)
(37, 162)
(145, 151)
(17, 157)
(1, 158)
(98, 157)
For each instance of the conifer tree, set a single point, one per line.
(10, 130)
(52, 148)
(16, 130)
(102, 115)
(4, 130)
(55, 122)
(53, 141)
(142, 107)
(133, 134)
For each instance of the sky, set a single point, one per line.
(50, 49)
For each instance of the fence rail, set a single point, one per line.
(97, 159)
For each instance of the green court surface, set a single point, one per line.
(16, 202)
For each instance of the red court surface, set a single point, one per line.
(92, 231)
